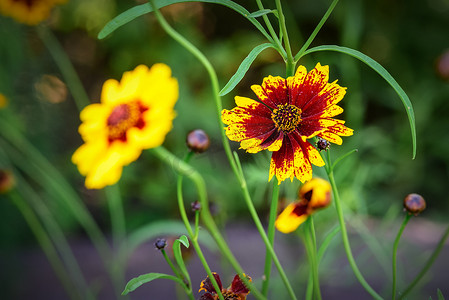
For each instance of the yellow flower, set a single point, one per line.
(3, 101)
(313, 195)
(30, 12)
(134, 114)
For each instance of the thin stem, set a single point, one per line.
(315, 32)
(206, 216)
(193, 237)
(172, 266)
(271, 232)
(344, 233)
(428, 264)
(310, 240)
(395, 250)
(117, 214)
(65, 66)
(45, 243)
(290, 62)
(272, 32)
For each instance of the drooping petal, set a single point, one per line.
(206, 284)
(291, 217)
(316, 193)
(238, 286)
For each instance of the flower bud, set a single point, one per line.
(442, 65)
(198, 141)
(414, 204)
(322, 144)
(7, 181)
(196, 206)
(160, 244)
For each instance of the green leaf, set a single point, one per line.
(263, 12)
(142, 279)
(178, 254)
(440, 295)
(382, 72)
(142, 9)
(243, 68)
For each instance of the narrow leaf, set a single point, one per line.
(440, 295)
(260, 13)
(139, 10)
(142, 279)
(243, 68)
(382, 72)
(178, 255)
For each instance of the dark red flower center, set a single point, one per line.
(124, 117)
(286, 117)
(29, 3)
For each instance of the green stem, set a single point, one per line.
(395, 250)
(206, 216)
(428, 264)
(344, 233)
(193, 237)
(172, 266)
(188, 171)
(45, 243)
(272, 32)
(65, 66)
(315, 32)
(290, 62)
(271, 232)
(118, 222)
(316, 277)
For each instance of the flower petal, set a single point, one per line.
(312, 84)
(207, 285)
(272, 92)
(291, 217)
(238, 286)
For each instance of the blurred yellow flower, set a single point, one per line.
(313, 195)
(30, 12)
(134, 114)
(3, 100)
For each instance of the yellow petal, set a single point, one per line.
(289, 220)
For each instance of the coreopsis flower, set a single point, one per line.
(30, 12)
(287, 113)
(236, 291)
(313, 195)
(134, 114)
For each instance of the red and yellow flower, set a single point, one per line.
(236, 291)
(287, 113)
(134, 114)
(30, 12)
(315, 194)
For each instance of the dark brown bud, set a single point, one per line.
(322, 144)
(160, 244)
(414, 204)
(196, 206)
(198, 141)
(7, 181)
(442, 65)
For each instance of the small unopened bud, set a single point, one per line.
(196, 206)
(198, 141)
(7, 181)
(160, 244)
(414, 204)
(442, 65)
(322, 144)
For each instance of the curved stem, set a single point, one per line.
(344, 233)
(206, 215)
(187, 289)
(315, 32)
(271, 232)
(428, 263)
(395, 250)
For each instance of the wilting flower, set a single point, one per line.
(288, 112)
(236, 291)
(134, 114)
(313, 195)
(29, 12)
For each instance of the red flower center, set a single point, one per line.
(124, 117)
(286, 117)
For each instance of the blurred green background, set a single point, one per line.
(408, 38)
